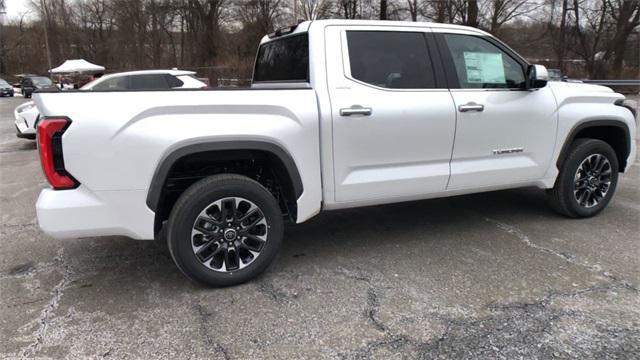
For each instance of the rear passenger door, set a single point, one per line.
(393, 117)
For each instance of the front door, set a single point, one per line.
(505, 134)
(393, 123)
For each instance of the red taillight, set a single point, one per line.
(50, 132)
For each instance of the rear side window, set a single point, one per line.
(395, 60)
(285, 59)
(149, 82)
(174, 82)
(191, 82)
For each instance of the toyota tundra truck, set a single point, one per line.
(340, 114)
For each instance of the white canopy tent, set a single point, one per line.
(76, 66)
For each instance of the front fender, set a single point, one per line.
(576, 116)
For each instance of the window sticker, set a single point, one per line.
(486, 68)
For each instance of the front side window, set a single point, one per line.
(116, 83)
(284, 59)
(390, 59)
(480, 64)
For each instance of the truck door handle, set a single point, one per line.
(470, 107)
(355, 110)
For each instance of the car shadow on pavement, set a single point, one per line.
(334, 275)
(20, 145)
(119, 261)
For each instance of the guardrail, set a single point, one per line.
(613, 82)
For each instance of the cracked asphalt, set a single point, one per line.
(488, 276)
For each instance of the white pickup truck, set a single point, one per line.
(340, 114)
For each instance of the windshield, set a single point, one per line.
(3, 83)
(41, 81)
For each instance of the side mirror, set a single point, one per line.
(537, 76)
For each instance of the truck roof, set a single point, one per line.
(306, 26)
(174, 72)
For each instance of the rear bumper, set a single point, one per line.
(83, 213)
(24, 132)
(23, 129)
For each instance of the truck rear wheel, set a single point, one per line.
(225, 230)
(587, 179)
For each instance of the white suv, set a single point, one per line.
(147, 80)
(26, 115)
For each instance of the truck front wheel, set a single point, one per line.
(587, 179)
(225, 230)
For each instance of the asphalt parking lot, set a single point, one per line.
(494, 275)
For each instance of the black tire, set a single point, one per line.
(563, 198)
(200, 197)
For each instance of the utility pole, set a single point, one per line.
(45, 22)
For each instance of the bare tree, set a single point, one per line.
(260, 16)
(414, 7)
(219, 37)
(384, 6)
(348, 9)
(472, 13)
(204, 20)
(626, 19)
(558, 34)
(501, 11)
(314, 9)
(440, 10)
(2, 44)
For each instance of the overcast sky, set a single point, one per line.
(15, 8)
